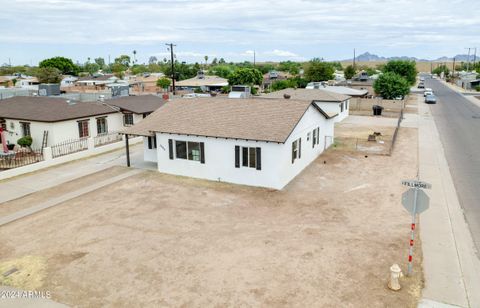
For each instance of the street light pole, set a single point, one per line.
(173, 65)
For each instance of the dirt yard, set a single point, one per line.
(153, 240)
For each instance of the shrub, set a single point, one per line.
(477, 88)
(25, 141)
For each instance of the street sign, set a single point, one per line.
(416, 184)
(408, 201)
(415, 201)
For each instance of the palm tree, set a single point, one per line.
(206, 60)
(134, 56)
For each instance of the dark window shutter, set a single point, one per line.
(313, 138)
(170, 148)
(259, 158)
(202, 152)
(149, 142)
(154, 141)
(318, 135)
(299, 147)
(293, 153)
(237, 156)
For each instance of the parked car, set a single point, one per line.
(421, 85)
(427, 91)
(430, 99)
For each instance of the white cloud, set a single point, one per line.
(293, 29)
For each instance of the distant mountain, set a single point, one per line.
(368, 57)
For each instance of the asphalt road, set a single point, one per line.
(458, 123)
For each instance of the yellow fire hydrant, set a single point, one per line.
(395, 275)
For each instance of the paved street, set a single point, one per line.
(458, 123)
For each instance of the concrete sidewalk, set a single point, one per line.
(65, 197)
(451, 266)
(29, 183)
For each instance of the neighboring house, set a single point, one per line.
(27, 82)
(330, 102)
(202, 81)
(338, 89)
(96, 82)
(68, 81)
(257, 142)
(7, 81)
(467, 80)
(136, 108)
(358, 85)
(146, 83)
(273, 76)
(61, 119)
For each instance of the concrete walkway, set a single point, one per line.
(451, 267)
(62, 198)
(29, 183)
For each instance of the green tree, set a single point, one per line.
(391, 85)
(221, 61)
(138, 69)
(442, 68)
(123, 60)
(64, 65)
(289, 66)
(246, 76)
(163, 83)
(91, 68)
(404, 68)
(223, 71)
(349, 72)
(48, 75)
(100, 61)
(118, 69)
(317, 70)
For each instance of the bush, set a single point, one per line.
(25, 141)
(477, 88)
(163, 83)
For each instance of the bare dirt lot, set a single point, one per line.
(326, 240)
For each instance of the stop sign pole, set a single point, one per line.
(415, 201)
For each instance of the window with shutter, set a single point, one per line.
(170, 148)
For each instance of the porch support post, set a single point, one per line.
(127, 149)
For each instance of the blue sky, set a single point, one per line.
(277, 30)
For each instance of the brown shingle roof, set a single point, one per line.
(48, 109)
(251, 119)
(308, 94)
(138, 104)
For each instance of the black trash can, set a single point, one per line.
(377, 110)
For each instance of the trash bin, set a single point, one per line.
(377, 110)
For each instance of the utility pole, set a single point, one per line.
(170, 46)
(254, 58)
(474, 57)
(353, 58)
(453, 71)
(468, 59)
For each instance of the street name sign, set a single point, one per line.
(416, 184)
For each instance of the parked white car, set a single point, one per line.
(427, 91)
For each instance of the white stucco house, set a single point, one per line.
(328, 101)
(61, 119)
(257, 142)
